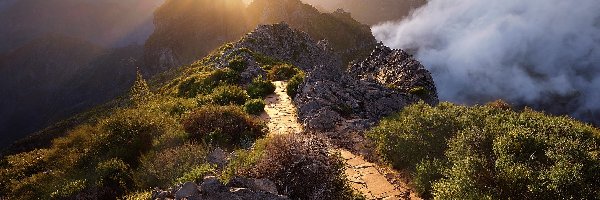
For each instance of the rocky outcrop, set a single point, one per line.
(273, 43)
(377, 86)
(212, 189)
(282, 42)
(347, 37)
(329, 97)
(396, 69)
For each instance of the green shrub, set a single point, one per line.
(243, 161)
(282, 72)
(418, 132)
(229, 95)
(238, 64)
(23, 174)
(225, 125)
(426, 173)
(116, 175)
(130, 133)
(492, 152)
(260, 88)
(255, 106)
(69, 189)
(294, 84)
(163, 168)
(140, 92)
(139, 196)
(197, 174)
(302, 167)
(205, 82)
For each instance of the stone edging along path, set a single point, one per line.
(364, 176)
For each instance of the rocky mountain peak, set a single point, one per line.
(282, 42)
(269, 44)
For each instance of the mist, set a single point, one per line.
(540, 53)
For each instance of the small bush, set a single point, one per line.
(139, 196)
(260, 88)
(197, 174)
(205, 82)
(237, 64)
(229, 95)
(130, 133)
(294, 84)
(243, 161)
(302, 167)
(163, 168)
(255, 106)
(22, 173)
(114, 174)
(282, 72)
(226, 125)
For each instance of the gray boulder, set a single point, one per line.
(188, 189)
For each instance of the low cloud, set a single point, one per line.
(530, 52)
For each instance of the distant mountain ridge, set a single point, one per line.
(56, 76)
(108, 23)
(370, 12)
(187, 30)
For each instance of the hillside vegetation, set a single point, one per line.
(491, 152)
(164, 137)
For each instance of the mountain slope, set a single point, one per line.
(56, 76)
(203, 104)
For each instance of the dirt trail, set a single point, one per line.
(364, 176)
(280, 113)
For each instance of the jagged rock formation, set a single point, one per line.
(277, 42)
(281, 42)
(347, 37)
(212, 189)
(380, 85)
(396, 69)
(330, 96)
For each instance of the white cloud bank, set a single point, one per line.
(524, 51)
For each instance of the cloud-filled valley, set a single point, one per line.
(540, 53)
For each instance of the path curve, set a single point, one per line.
(364, 176)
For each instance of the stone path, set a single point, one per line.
(364, 176)
(280, 113)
